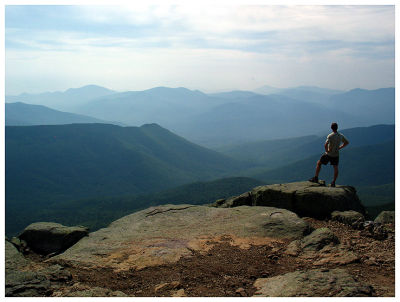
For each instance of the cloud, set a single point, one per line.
(218, 26)
(243, 45)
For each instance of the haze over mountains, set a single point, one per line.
(227, 118)
(64, 101)
(51, 169)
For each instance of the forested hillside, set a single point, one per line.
(48, 164)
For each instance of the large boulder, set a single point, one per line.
(304, 198)
(49, 237)
(312, 283)
(386, 217)
(164, 234)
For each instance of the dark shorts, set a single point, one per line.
(325, 159)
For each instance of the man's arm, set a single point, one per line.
(326, 146)
(345, 143)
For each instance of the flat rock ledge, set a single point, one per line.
(305, 198)
(164, 234)
(312, 283)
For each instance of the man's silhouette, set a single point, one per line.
(332, 146)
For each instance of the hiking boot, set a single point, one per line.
(333, 184)
(314, 179)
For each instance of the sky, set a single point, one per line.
(206, 47)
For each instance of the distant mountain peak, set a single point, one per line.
(89, 88)
(179, 90)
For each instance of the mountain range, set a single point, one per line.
(50, 167)
(62, 100)
(218, 119)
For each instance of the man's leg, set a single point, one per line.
(318, 168)
(335, 173)
(322, 161)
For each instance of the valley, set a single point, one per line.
(60, 168)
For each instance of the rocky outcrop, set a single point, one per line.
(386, 217)
(164, 234)
(51, 238)
(303, 198)
(312, 283)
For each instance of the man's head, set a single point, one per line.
(334, 127)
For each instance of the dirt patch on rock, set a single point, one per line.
(225, 270)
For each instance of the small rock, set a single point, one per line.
(318, 239)
(241, 292)
(348, 217)
(167, 286)
(219, 202)
(179, 293)
(17, 242)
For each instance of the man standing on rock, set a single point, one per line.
(332, 147)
